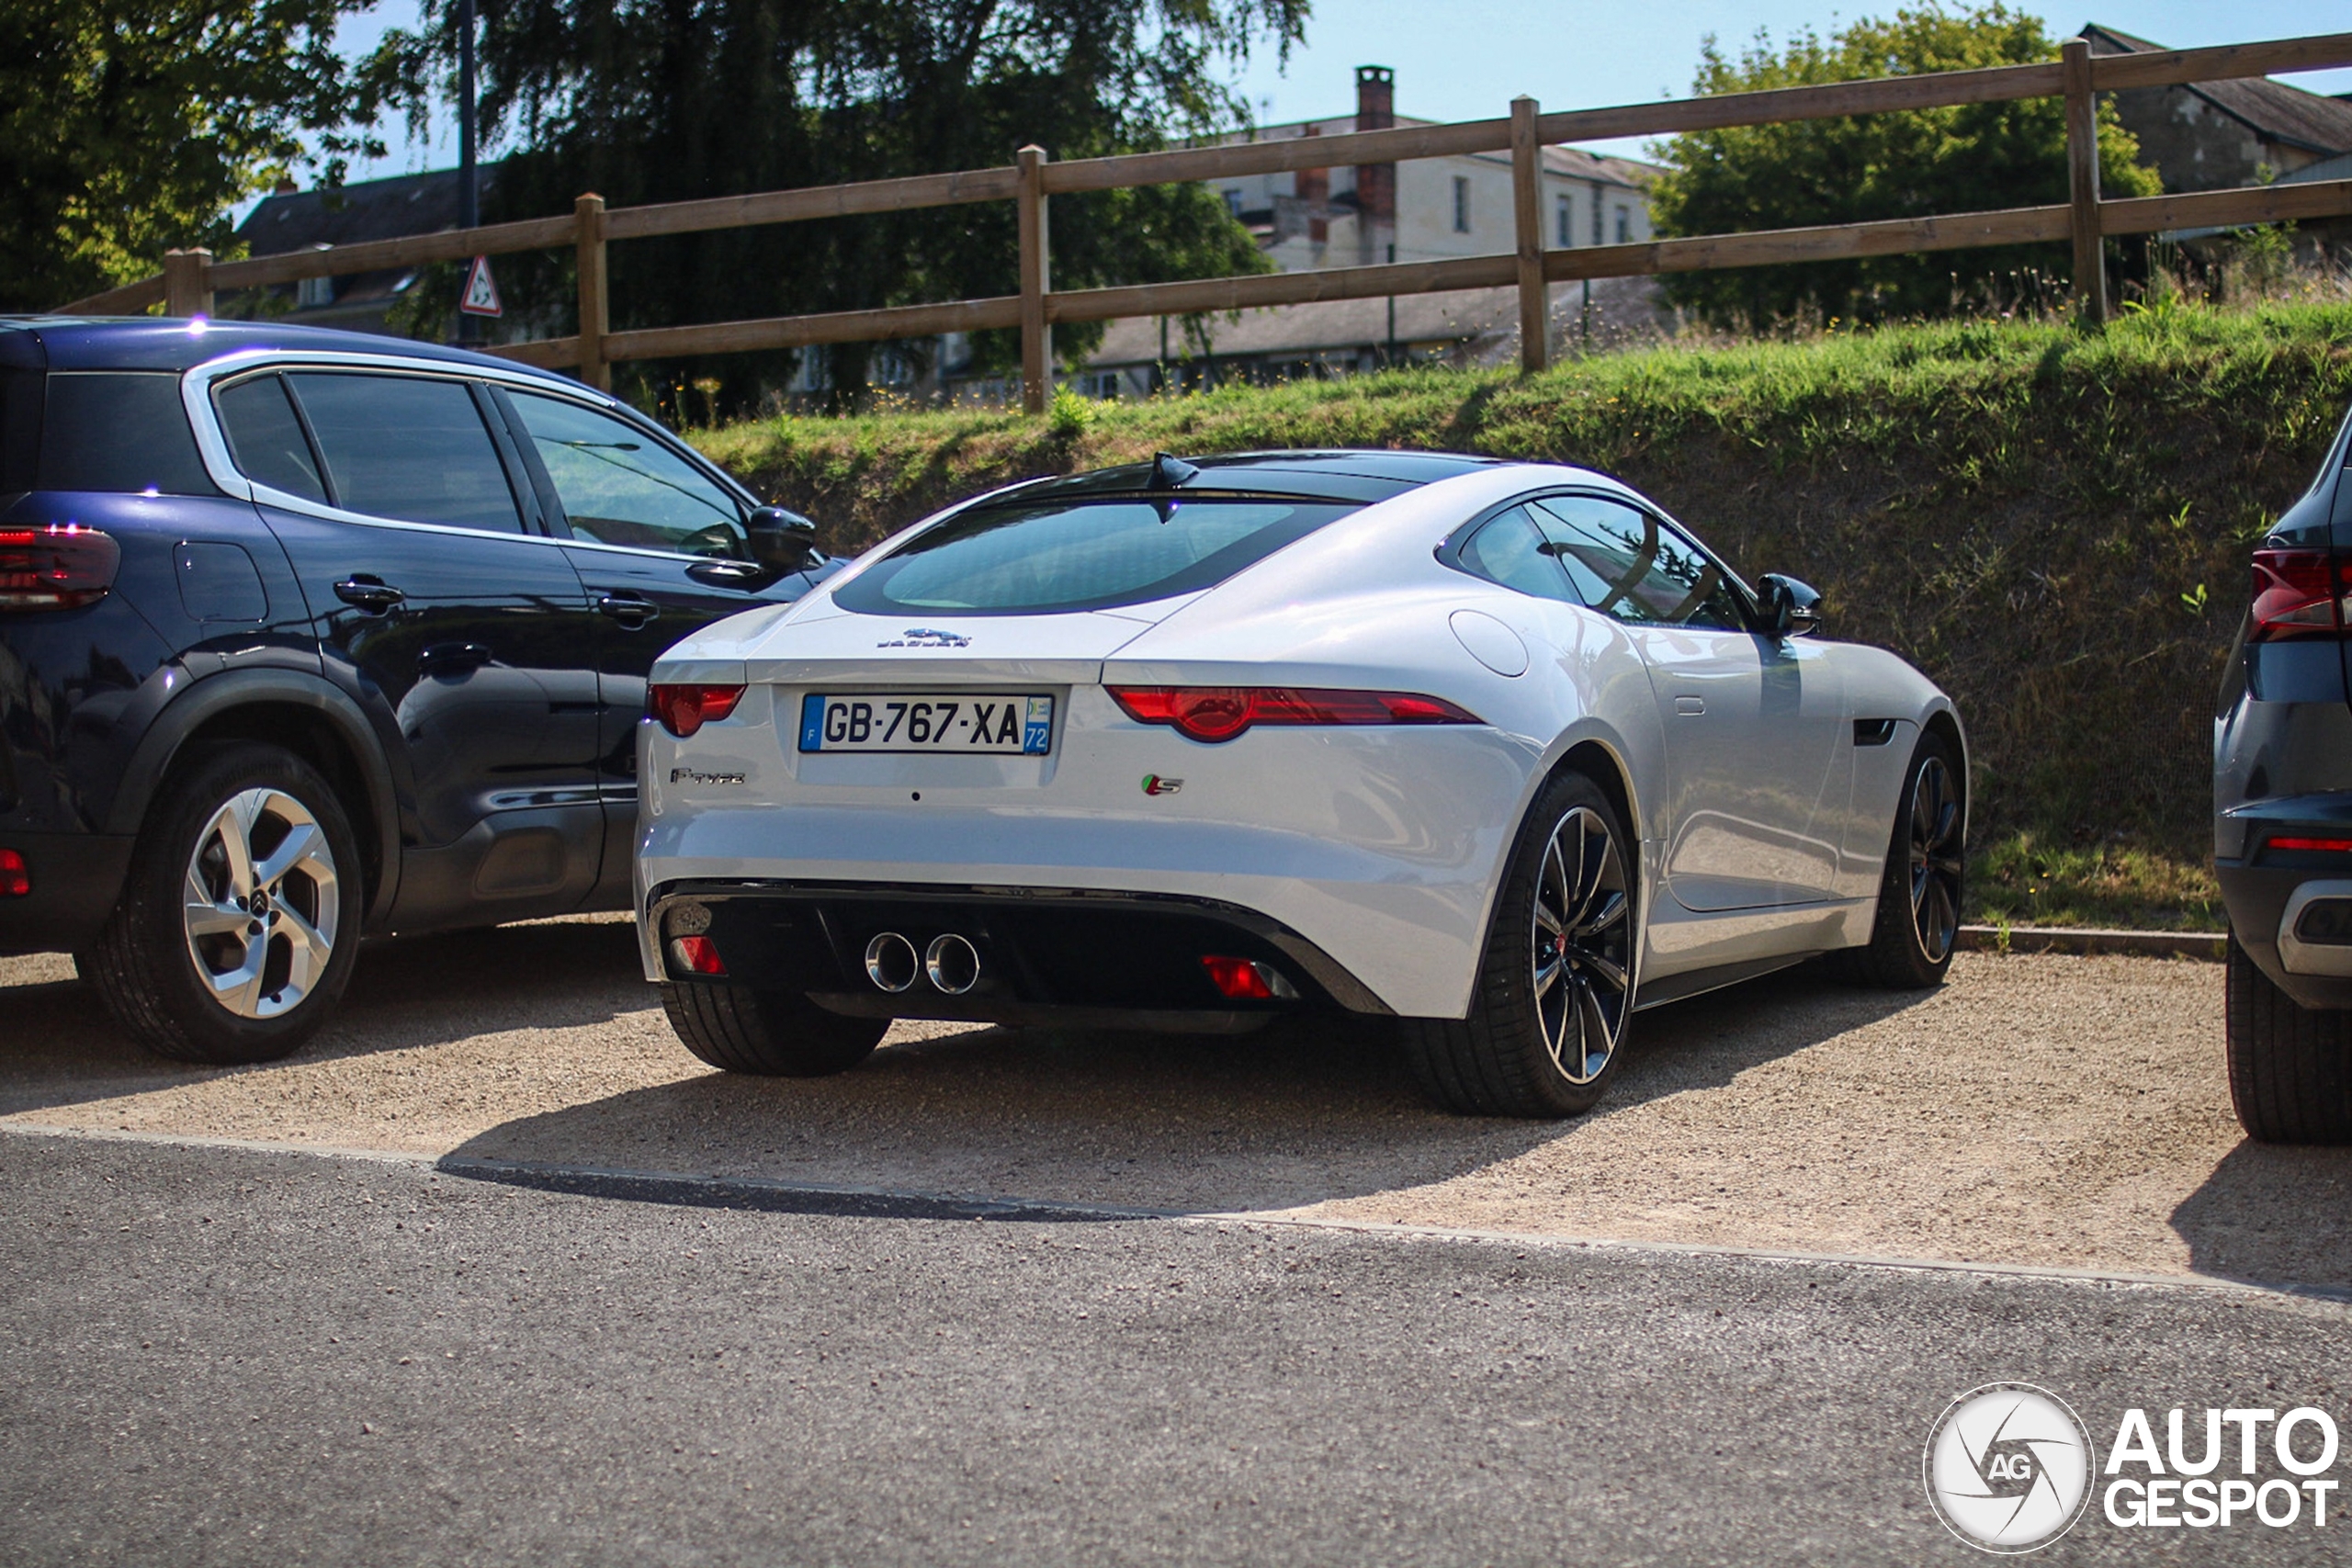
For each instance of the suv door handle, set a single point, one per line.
(629, 609)
(370, 594)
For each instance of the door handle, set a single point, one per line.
(729, 573)
(629, 609)
(368, 592)
(453, 659)
(1690, 706)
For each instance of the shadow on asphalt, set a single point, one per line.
(59, 1046)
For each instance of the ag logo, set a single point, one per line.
(1154, 784)
(2008, 1468)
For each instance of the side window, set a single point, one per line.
(1509, 548)
(620, 486)
(407, 446)
(1628, 564)
(266, 438)
(124, 431)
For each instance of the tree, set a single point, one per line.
(672, 100)
(1914, 164)
(128, 127)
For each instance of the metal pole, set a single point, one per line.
(1391, 310)
(468, 176)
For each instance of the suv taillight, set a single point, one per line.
(2297, 593)
(63, 566)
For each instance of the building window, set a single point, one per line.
(1595, 212)
(1233, 202)
(311, 292)
(1625, 225)
(1461, 204)
(1567, 232)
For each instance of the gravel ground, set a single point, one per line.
(2046, 1110)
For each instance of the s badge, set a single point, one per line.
(1154, 784)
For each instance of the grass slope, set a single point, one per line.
(2052, 524)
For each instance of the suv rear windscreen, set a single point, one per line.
(1081, 554)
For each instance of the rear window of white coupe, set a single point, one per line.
(1085, 553)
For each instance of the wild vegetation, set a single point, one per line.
(2051, 521)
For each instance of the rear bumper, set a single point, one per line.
(76, 878)
(1047, 955)
(2269, 891)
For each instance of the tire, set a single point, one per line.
(211, 979)
(771, 1033)
(1533, 1047)
(2291, 1066)
(1918, 897)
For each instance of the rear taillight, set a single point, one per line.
(61, 567)
(682, 710)
(1220, 713)
(16, 880)
(2297, 593)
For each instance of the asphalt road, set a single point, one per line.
(211, 1355)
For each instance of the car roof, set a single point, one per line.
(1325, 474)
(154, 343)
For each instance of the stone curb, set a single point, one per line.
(2083, 939)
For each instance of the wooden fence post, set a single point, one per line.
(1037, 277)
(187, 291)
(2081, 179)
(1527, 218)
(588, 216)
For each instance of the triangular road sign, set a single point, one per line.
(480, 296)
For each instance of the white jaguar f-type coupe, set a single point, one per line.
(1497, 749)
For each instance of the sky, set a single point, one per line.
(1467, 59)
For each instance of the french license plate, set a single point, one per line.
(926, 721)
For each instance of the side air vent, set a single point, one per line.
(1873, 731)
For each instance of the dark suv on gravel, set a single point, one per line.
(2282, 822)
(306, 635)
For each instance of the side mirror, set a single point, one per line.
(1793, 608)
(782, 540)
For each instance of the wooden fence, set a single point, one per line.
(190, 278)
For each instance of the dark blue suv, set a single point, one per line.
(306, 635)
(2282, 821)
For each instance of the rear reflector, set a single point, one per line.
(15, 881)
(1247, 980)
(2313, 846)
(2296, 593)
(684, 710)
(696, 955)
(1220, 713)
(62, 566)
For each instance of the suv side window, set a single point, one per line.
(1636, 567)
(411, 447)
(620, 486)
(1509, 548)
(266, 439)
(124, 431)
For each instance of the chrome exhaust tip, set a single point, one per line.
(890, 961)
(953, 964)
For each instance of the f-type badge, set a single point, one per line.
(1154, 784)
(921, 637)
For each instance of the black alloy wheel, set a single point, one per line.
(1927, 861)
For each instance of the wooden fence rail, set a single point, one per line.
(190, 278)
